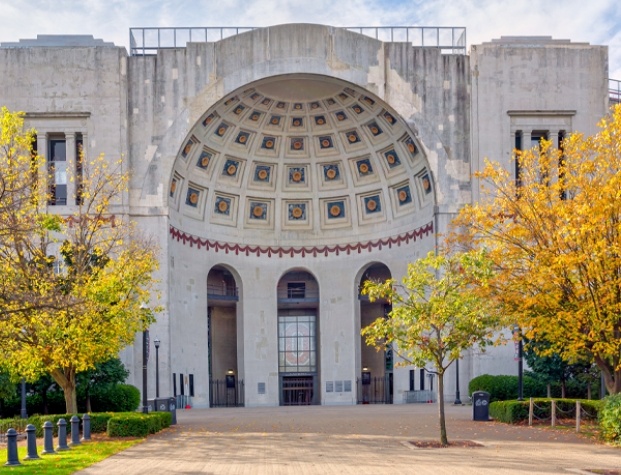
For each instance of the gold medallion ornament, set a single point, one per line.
(269, 144)
(187, 148)
(331, 173)
(254, 117)
(297, 144)
(335, 210)
(173, 186)
(364, 168)
(403, 195)
(297, 122)
(297, 212)
(296, 176)
(205, 161)
(257, 211)
(357, 109)
(325, 143)
(371, 205)
(231, 169)
(391, 158)
(426, 184)
(374, 130)
(320, 121)
(221, 131)
(352, 138)
(194, 198)
(262, 174)
(242, 139)
(411, 147)
(275, 120)
(223, 206)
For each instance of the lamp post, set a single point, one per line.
(24, 412)
(156, 342)
(457, 395)
(517, 333)
(145, 360)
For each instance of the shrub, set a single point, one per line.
(115, 398)
(129, 425)
(505, 387)
(610, 419)
(515, 411)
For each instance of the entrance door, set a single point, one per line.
(297, 359)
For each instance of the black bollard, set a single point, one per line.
(11, 448)
(62, 435)
(48, 438)
(86, 428)
(75, 431)
(31, 436)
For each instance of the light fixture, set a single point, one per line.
(230, 371)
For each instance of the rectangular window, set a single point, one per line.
(175, 384)
(422, 379)
(518, 170)
(297, 347)
(296, 290)
(79, 167)
(192, 385)
(412, 373)
(181, 387)
(57, 169)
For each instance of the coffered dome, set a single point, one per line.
(292, 157)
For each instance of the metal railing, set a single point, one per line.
(376, 390)
(614, 91)
(226, 393)
(148, 40)
(222, 290)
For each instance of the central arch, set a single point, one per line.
(294, 179)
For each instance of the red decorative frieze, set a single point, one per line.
(304, 251)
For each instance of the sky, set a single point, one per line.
(593, 21)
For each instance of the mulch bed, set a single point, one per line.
(435, 444)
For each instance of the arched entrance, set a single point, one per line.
(226, 389)
(298, 359)
(375, 384)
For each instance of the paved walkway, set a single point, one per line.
(353, 440)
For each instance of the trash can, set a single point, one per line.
(168, 404)
(480, 406)
(151, 406)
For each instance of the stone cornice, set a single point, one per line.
(303, 251)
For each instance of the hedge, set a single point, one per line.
(505, 387)
(137, 424)
(516, 411)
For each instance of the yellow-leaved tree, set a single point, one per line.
(435, 314)
(72, 284)
(554, 235)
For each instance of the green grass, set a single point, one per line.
(66, 462)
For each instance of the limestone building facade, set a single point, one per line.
(279, 168)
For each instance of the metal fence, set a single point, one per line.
(614, 91)
(377, 390)
(226, 393)
(421, 396)
(148, 40)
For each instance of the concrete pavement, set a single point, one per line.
(370, 439)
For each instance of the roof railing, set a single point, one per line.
(148, 40)
(614, 91)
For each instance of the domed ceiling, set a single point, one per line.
(298, 157)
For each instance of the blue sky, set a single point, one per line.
(593, 21)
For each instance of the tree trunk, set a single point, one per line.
(612, 379)
(66, 380)
(563, 389)
(443, 438)
(88, 399)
